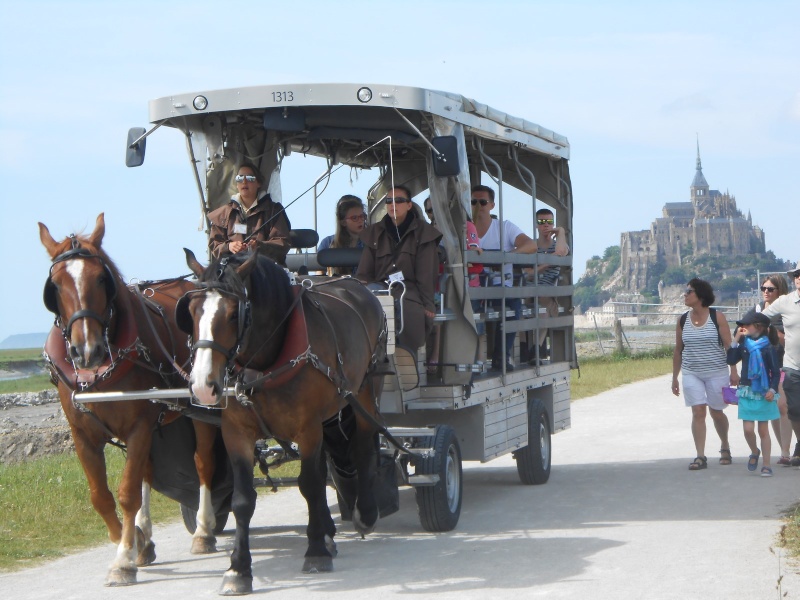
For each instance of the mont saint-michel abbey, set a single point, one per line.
(709, 223)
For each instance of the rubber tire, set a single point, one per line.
(190, 520)
(533, 461)
(440, 504)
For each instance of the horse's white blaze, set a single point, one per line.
(202, 368)
(75, 270)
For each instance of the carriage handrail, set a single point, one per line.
(151, 394)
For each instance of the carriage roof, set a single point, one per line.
(323, 102)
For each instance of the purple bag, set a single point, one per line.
(729, 395)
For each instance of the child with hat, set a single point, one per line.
(754, 345)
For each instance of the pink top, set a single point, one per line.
(473, 243)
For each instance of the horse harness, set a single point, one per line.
(250, 379)
(128, 349)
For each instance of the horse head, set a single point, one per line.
(224, 323)
(80, 291)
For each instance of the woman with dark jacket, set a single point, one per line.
(402, 242)
(250, 221)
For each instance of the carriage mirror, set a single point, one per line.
(134, 153)
(445, 163)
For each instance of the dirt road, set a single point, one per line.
(621, 518)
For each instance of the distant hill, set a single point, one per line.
(23, 340)
(728, 275)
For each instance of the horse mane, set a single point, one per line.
(269, 283)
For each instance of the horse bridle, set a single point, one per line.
(50, 291)
(243, 320)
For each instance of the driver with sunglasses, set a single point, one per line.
(250, 221)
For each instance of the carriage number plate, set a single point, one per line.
(283, 96)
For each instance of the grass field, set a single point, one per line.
(14, 360)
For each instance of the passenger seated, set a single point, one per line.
(351, 218)
(250, 221)
(402, 242)
(514, 241)
(550, 240)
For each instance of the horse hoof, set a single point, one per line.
(318, 564)
(234, 584)
(204, 545)
(120, 577)
(360, 526)
(147, 556)
(330, 546)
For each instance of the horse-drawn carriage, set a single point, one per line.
(432, 411)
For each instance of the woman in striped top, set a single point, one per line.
(700, 346)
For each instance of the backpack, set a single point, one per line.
(713, 314)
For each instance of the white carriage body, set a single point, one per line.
(392, 130)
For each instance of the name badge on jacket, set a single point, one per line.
(240, 228)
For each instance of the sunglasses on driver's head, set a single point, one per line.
(545, 221)
(243, 178)
(483, 202)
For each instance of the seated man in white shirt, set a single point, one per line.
(514, 240)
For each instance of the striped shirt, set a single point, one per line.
(550, 275)
(702, 354)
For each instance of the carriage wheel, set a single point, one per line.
(440, 504)
(190, 520)
(533, 461)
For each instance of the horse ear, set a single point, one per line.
(47, 240)
(244, 270)
(193, 264)
(96, 239)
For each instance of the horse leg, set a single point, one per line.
(204, 541)
(123, 569)
(93, 462)
(238, 579)
(144, 525)
(365, 514)
(321, 529)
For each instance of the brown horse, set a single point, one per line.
(107, 337)
(304, 360)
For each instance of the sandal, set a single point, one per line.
(752, 463)
(725, 459)
(766, 472)
(701, 462)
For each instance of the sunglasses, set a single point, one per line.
(482, 202)
(356, 218)
(765, 288)
(688, 291)
(545, 221)
(396, 200)
(243, 178)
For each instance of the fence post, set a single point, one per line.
(618, 335)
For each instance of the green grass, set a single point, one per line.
(34, 383)
(46, 512)
(603, 373)
(20, 355)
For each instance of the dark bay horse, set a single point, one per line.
(304, 361)
(109, 338)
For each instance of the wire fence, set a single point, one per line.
(634, 327)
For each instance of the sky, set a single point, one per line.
(631, 84)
